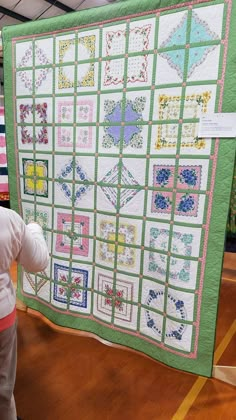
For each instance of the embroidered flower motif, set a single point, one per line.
(25, 76)
(24, 111)
(75, 293)
(186, 203)
(108, 302)
(184, 275)
(66, 112)
(66, 188)
(42, 137)
(187, 238)
(179, 304)
(41, 110)
(177, 335)
(62, 291)
(27, 57)
(188, 176)
(161, 202)
(26, 138)
(41, 56)
(63, 278)
(111, 294)
(199, 144)
(108, 290)
(65, 136)
(77, 280)
(162, 176)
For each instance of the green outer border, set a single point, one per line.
(203, 364)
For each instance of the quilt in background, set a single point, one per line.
(4, 189)
(102, 124)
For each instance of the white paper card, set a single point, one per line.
(218, 125)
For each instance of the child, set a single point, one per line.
(27, 246)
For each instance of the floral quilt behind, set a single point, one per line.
(107, 158)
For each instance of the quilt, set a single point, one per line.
(4, 190)
(102, 113)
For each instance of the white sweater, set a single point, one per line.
(19, 242)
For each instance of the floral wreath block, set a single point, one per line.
(115, 296)
(137, 66)
(130, 135)
(126, 234)
(169, 108)
(41, 111)
(37, 168)
(27, 61)
(112, 177)
(65, 110)
(86, 49)
(66, 188)
(73, 284)
(63, 240)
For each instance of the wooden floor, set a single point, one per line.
(74, 378)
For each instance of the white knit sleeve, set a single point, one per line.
(34, 254)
